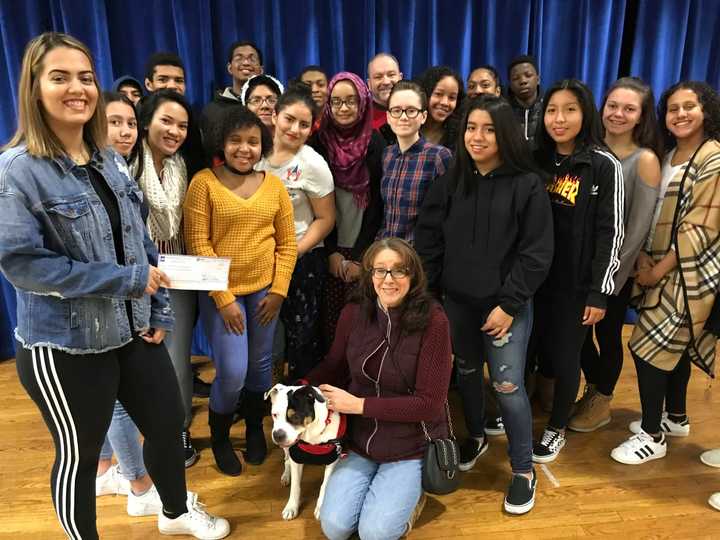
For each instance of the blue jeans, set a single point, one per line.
(241, 361)
(374, 499)
(506, 363)
(124, 438)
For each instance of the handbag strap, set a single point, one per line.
(411, 391)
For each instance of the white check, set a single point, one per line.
(196, 273)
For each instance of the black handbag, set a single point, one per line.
(440, 468)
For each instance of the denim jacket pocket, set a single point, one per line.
(73, 222)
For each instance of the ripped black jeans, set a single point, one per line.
(506, 363)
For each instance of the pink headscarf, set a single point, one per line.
(347, 145)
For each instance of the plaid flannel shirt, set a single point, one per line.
(405, 181)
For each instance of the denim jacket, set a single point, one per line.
(56, 248)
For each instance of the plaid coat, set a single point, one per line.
(672, 317)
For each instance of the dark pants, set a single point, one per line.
(658, 386)
(506, 362)
(559, 335)
(603, 369)
(300, 313)
(76, 395)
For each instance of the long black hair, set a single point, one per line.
(647, 133)
(591, 131)
(428, 80)
(709, 100)
(513, 148)
(112, 97)
(148, 105)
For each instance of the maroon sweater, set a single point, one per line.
(360, 360)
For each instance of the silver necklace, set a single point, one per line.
(558, 163)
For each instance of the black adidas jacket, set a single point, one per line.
(598, 231)
(492, 246)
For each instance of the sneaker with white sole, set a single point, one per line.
(495, 427)
(667, 426)
(111, 482)
(149, 503)
(548, 448)
(195, 522)
(470, 450)
(711, 458)
(520, 497)
(640, 448)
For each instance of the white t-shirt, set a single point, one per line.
(668, 172)
(306, 176)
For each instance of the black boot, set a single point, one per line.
(255, 409)
(225, 457)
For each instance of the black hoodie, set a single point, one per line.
(491, 245)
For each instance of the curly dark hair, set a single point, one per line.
(428, 80)
(708, 98)
(416, 306)
(238, 117)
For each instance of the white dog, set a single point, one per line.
(309, 433)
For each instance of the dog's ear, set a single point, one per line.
(316, 395)
(274, 390)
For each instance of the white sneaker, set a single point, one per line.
(667, 426)
(196, 522)
(639, 449)
(111, 482)
(149, 503)
(711, 458)
(714, 501)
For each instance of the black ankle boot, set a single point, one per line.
(225, 457)
(255, 409)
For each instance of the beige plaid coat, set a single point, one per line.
(662, 333)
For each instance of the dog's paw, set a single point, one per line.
(285, 478)
(316, 513)
(290, 512)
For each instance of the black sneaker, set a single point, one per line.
(201, 389)
(470, 450)
(495, 426)
(520, 497)
(191, 455)
(548, 448)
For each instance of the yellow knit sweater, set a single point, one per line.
(258, 233)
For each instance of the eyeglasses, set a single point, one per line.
(258, 100)
(249, 59)
(396, 273)
(410, 112)
(337, 103)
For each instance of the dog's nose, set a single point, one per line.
(279, 436)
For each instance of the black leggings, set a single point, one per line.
(558, 339)
(657, 386)
(76, 395)
(603, 369)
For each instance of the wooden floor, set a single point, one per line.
(583, 493)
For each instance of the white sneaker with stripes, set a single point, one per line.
(639, 449)
(667, 426)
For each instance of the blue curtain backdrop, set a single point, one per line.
(661, 41)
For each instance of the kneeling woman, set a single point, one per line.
(246, 215)
(489, 273)
(393, 346)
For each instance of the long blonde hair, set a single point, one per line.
(32, 127)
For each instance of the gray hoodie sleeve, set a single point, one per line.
(637, 225)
